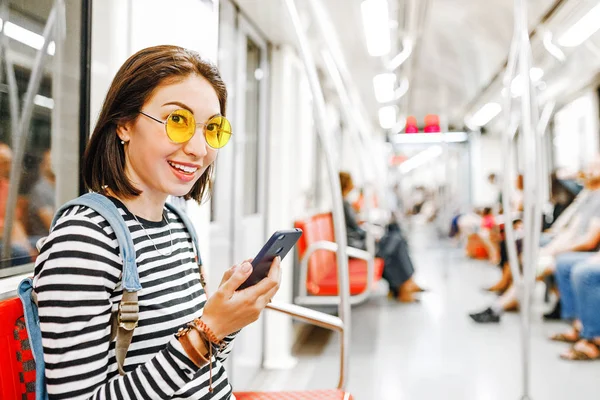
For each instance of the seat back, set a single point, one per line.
(17, 371)
(322, 262)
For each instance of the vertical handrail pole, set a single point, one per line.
(511, 128)
(325, 135)
(520, 56)
(541, 128)
(356, 141)
(324, 25)
(532, 204)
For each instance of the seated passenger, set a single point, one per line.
(580, 235)
(41, 201)
(398, 269)
(488, 224)
(506, 280)
(20, 250)
(583, 230)
(560, 198)
(157, 135)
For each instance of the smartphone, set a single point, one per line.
(280, 243)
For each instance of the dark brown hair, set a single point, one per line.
(345, 181)
(134, 83)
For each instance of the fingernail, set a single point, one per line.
(246, 267)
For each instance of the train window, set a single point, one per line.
(28, 190)
(254, 74)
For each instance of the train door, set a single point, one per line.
(238, 206)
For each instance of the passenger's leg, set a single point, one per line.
(492, 248)
(564, 266)
(586, 285)
(398, 269)
(504, 282)
(586, 281)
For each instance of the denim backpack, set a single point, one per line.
(123, 321)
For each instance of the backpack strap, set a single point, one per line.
(190, 228)
(125, 320)
(32, 321)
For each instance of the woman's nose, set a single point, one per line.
(196, 146)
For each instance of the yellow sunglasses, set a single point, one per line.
(181, 127)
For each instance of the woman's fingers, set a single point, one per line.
(271, 281)
(237, 277)
(267, 297)
(227, 275)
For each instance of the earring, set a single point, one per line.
(122, 142)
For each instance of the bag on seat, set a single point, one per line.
(124, 321)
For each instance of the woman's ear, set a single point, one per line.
(123, 132)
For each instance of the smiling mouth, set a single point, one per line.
(183, 168)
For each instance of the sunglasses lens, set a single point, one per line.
(181, 126)
(217, 132)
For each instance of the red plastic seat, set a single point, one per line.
(333, 394)
(322, 266)
(358, 278)
(17, 372)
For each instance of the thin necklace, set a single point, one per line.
(152, 240)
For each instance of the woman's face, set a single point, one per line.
(151, 159)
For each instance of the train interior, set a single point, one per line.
(462, 131)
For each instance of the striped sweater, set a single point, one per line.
(77, 281)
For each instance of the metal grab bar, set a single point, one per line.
(325, 136)
(318, 319)
(331, 300)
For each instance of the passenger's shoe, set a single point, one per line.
(554, 314)
(485, 317)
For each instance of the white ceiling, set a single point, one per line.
(464, 44)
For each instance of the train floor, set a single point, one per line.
(432, 350)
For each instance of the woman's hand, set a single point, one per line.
(228, 310)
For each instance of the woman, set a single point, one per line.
(398, 269)
(157, 135)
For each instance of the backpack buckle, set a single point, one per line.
(128, 315)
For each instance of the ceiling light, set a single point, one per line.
(384, 87)
(516, 86)
(536, 74)
(485, 114)
(420, 159)
(27, 37)
(375, 17)
(387, 117)
(43, 101)
(580, 31)
(429, 138)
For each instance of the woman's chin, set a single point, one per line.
(181, 190)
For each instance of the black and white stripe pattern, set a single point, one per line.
(77, 280)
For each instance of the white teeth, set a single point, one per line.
(184, 168)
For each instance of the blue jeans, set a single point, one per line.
(564, 265)
(586, 282)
